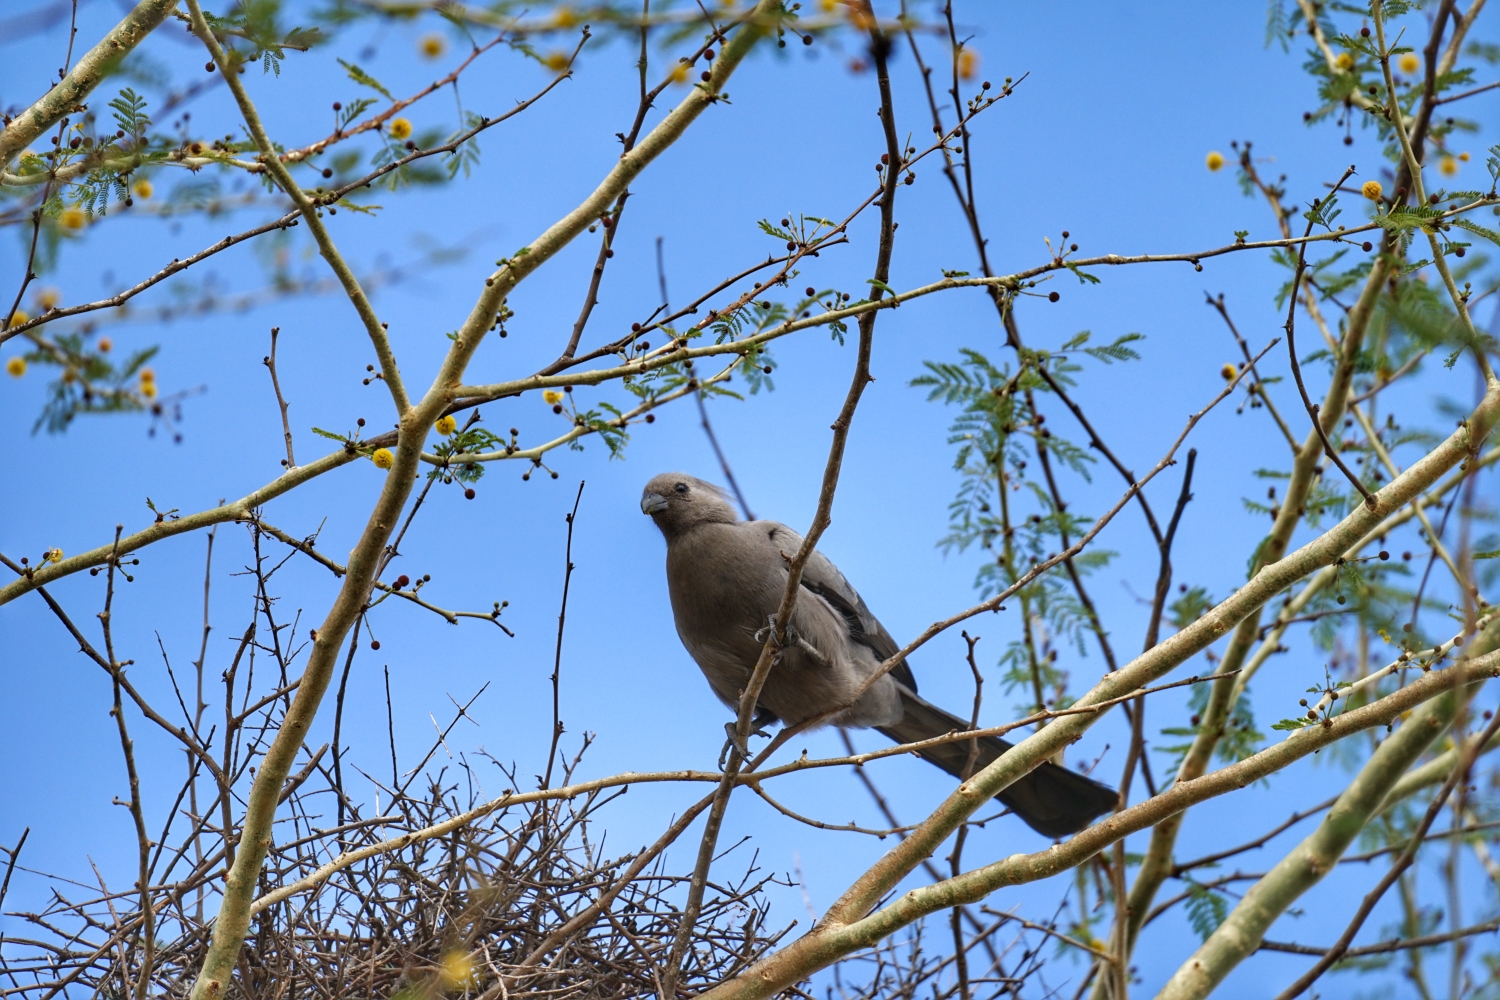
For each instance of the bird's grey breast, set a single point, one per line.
(724, 580)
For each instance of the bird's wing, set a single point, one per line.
(822, 577)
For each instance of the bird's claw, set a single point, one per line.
(731, 729)
(787, 638)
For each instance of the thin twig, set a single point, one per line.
(286, 428)
(562, 619)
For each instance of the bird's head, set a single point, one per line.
(676, 501)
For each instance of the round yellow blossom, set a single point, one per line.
(565, 18)
(456, 969)
(383, 458)
(1409, 63)
(400, 128)
(1463, 157)
(679, 73)
(1447, 166)
(148, 375)
(432, 46)
(48, 298)
(556, 61)
(52, 556)
(1229, 372)
(1344, 62)
(142, 189)
(1214, 160)
(16, 366)
(105, 344)
(148, 389)
(968, 64)
(1371, 190)
(828, 6)
(446, 425)
(18, 317)
(552, 396)
(73, 218)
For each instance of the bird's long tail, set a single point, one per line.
(1052, 800)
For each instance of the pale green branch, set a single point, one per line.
(310, 212)
(68, 95)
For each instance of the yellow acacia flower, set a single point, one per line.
(400, 128)
(552, 396)
(1344, 62)
(1409, 63)
(1463, 157)
(565, 18)
(52, 556)
(828, 6)
(148, 375)
(73, 218)
(105, 344)
(148, 389)
(556, 61)
(679, 73)
(456, 969)
(142, 189)
(968, 64)
(383, 458)
(446, 425)
(432, 46)
(16, 366)
(1447, 166)
(1229, 372)
(1214, 160)
(1371, 190)
(48, 298)
(18, 317)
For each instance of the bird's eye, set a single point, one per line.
(682, 487)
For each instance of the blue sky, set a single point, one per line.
(1106, 138)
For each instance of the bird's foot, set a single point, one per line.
(788, 636)
(731, 729)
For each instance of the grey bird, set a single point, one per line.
(726, 577)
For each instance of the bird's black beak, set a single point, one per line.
(653, 503)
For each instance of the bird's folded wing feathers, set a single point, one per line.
(822, 577)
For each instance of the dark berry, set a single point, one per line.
(1053, 296)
